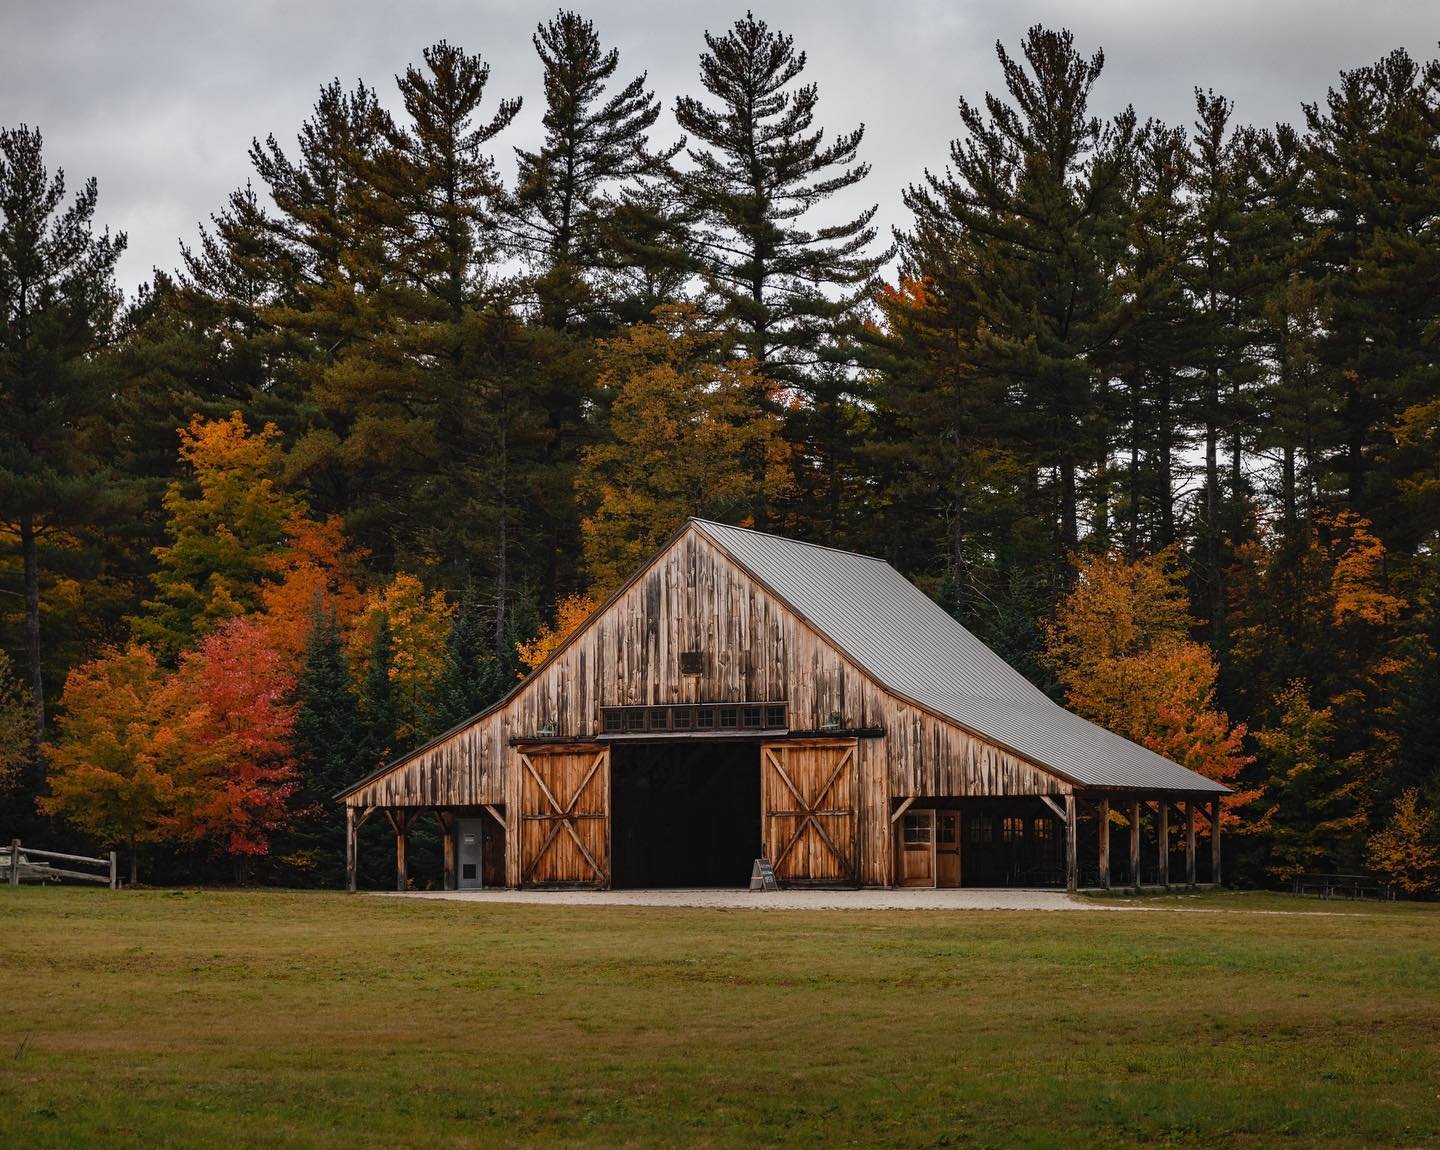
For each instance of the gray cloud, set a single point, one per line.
(160, 100)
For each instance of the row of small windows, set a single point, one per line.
(917, 829)
(694, 717)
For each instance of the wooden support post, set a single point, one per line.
(1135, 843)
(1104, 829)
(1162, 841)
(14, 863)
(401, 823)
(447, 837)
(352, 853)
(1190, 841)
(114, 872)
(1072, 856)
(1215, 842)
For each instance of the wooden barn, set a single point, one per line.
(748, 696)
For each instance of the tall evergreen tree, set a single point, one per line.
(595, 138)
(58, 304)
(476, 674)
(759, 165)
(1036, 189)
(379, 709)
(328, 738)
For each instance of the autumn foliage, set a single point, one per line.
(571, 611)
(1120, 646)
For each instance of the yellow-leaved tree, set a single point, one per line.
(1407, 849)
(570, 612)
(693, 432)
(1120, 645)
(416, 625)
(226, 523)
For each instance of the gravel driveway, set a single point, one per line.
(782, 900)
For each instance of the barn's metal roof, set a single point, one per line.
(908, 644)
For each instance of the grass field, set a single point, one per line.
(258, 1019)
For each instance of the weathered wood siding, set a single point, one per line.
(693, 597)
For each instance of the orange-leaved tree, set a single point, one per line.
(316, 571)
(125, 733)
(1120, 645)
(570, 612)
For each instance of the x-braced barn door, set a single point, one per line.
(809, 792)
(565, 816)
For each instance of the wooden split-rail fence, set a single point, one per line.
(21, 865)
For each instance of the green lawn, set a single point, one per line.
(256, 1019)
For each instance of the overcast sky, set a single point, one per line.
(160, 100)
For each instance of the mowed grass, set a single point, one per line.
(268, 1018)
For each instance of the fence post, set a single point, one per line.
(14, 863)
(114, 873)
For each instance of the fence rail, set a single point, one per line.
(19, 865)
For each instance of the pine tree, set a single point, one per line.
(328, 737)
(58, 304)
(759, 165)
(475, 674)
(1036, 195)
(379, 710)
(563, 209)
(1373, 150)
(1152, 357)
(1214, 276)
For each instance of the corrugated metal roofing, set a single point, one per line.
(902, 638)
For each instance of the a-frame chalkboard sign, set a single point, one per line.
(762, 876)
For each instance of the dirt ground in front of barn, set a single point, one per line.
(257, 1018)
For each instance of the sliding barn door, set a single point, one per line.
(809, 792)
(564, 831)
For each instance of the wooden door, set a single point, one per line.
(916, 844)
(808, 792)
(947, 849)
(564, 825)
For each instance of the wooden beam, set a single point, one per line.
(1215, 842)
(400, 820)
(114, 872)
(902, 808)
(1104, 828)
(1190, 842)
(1056, 807)
(1162, 841)
(1135, 843)
(351, 851)
(447, 839)
(494, 812)
(14, 864)
(1072, 857)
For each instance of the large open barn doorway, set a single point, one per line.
(684, 813)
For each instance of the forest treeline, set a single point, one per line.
(1152, 408)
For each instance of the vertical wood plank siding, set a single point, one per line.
(754, 650)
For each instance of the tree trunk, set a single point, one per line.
(1167, 479)
(31, 560)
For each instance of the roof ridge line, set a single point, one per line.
(789, 539)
